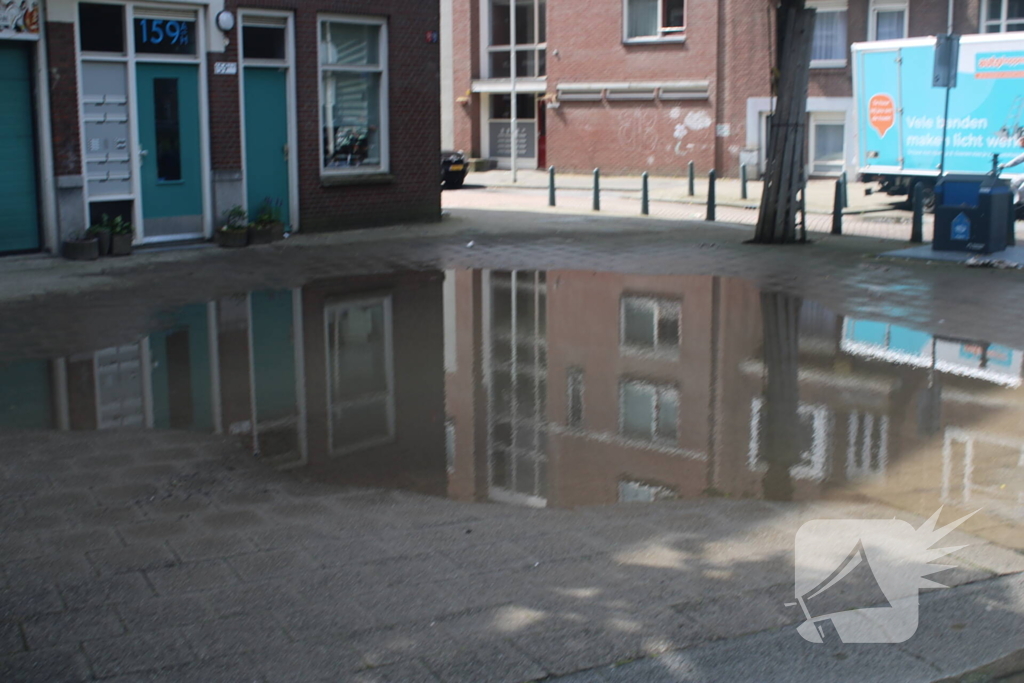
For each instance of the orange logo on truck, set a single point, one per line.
(881, 114)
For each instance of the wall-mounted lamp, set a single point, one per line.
(465, 99)
(225, 20)
(551, 101)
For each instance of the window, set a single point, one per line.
(888, 22)
(360, 384)
(812, 433)
(649, 412)
(168, 129)
(830, 45)
(867, 445)
(639, 492)
(650, 325)
(531, 29)
(653, 19)
(1000, 16)
(263, 42)
(101, 27)
(827, 143)
(574, 391)
(353, 94)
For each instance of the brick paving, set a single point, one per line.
(315, 581)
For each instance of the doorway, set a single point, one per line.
(268, 124)
(169, 150)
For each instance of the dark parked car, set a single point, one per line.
(453, 170)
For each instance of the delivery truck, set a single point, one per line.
(901, 117)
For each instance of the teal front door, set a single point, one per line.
(266, 139)
(172, 182)
(19, 217)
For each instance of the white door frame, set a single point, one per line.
(289, 65)
(130, 58)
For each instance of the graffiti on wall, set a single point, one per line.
(19, 19)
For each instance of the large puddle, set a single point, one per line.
(564, 389)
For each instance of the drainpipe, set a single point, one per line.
(512, 73)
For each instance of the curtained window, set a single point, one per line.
(829, 37)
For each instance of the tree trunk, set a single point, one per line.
(780, 426)
(784, 174)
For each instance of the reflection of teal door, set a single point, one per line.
(25, 399)
(172, 183)
(266, 138)
(19, 218)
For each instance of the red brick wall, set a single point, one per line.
(743, 66)
(628, 136)
(225, 141)
(466, 66)
(60, 56)
(414, 192)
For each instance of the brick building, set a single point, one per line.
(168, 114)
(634, 85)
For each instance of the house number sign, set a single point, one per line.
(165, 36)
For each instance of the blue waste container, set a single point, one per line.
(972, 213)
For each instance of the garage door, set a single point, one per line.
(19, 224)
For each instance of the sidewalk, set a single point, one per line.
(820, 191)
(893, 224)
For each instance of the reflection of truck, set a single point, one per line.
(900, 114)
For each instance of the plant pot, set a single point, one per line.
(81, 250)
(120, 245)
(260, 235)
(277, 231)
(103, 236)
(232, 238)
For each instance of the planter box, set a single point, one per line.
(81, 250)
(120, 245)
(232, 239)
(104, 241)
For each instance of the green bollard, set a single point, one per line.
(551, 186)
(597, 189)
(645, 206)
(711, 195)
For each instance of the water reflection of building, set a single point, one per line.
(654, 387)
(558, 388)
(343, 376)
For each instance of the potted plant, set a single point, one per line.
(81, 247)
(101, 231)
(267, 227)
(235, 231)
(121, 235)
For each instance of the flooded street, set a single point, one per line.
(458, 467)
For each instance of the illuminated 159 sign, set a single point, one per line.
(165, 36)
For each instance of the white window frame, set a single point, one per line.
(389, 371)
(384, 131)
(658, 304)
(823, 8)
(666, 34)
(887, 7)
(1001, 21)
